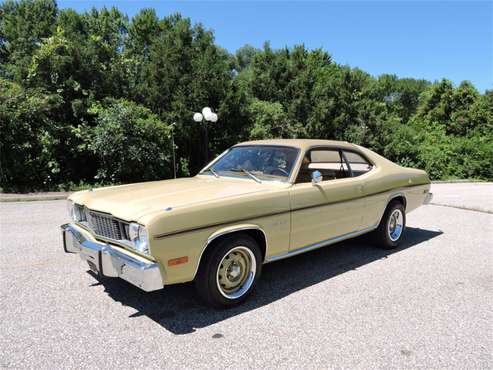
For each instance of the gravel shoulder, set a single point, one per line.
(30, 197)
(474, 196)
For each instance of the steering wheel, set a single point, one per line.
(279, 170)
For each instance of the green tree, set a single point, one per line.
(270, 121)
(23, 25)
(28, 137)
(400, 95)
(244, 56)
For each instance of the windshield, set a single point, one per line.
(262, 161)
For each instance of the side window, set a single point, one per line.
(329, 162)
(359, 165)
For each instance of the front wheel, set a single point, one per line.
(391, 228)
(229, 273)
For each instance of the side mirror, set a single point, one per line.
(316, 177)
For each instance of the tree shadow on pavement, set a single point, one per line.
(178, 309)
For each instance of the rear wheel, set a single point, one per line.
(229, 272)
(391, 228)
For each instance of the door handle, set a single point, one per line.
(360, 188)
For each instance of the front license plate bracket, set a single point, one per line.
(93, 267)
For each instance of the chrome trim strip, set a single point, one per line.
(111, 262)
(398, 194)
(226, 232)
(176, 232)
(428, 198)
(320, 244)
(213, 161)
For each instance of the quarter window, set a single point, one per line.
(359, 165)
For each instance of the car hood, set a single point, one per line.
(133, 201)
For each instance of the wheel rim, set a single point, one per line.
(236, 272)
(396, 224)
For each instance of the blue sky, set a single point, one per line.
(420, 39)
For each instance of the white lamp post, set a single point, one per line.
(173, 147)
(207, 115)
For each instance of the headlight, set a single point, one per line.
(138, 236)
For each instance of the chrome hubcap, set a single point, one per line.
(396, 224)
(236, 272)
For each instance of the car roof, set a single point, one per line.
(303, 144)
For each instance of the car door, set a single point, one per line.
(364, 170)
(330, 208)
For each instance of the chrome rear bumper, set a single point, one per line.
(108, 261)
(428, 198)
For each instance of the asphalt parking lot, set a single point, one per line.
(428, 304)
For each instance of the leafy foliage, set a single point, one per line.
(90, 98)
(130, 142)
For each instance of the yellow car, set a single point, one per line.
(258, 202)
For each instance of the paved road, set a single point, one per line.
(426, 305)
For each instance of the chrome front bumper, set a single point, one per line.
(108, 261)
(428, 198)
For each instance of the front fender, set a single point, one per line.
(191, 244)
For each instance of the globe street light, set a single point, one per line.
(213, 117)
(197, 117)
(207, 115)
(207, 112)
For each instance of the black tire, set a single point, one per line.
(206, 281)
(382, 236)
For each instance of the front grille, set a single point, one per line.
(106, 226)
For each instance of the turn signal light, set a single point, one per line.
(178, 261)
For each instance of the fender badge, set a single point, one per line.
(168, 209)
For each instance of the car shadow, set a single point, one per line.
(178, 309)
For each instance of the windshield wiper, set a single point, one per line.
(211, 170)
(248, 173)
